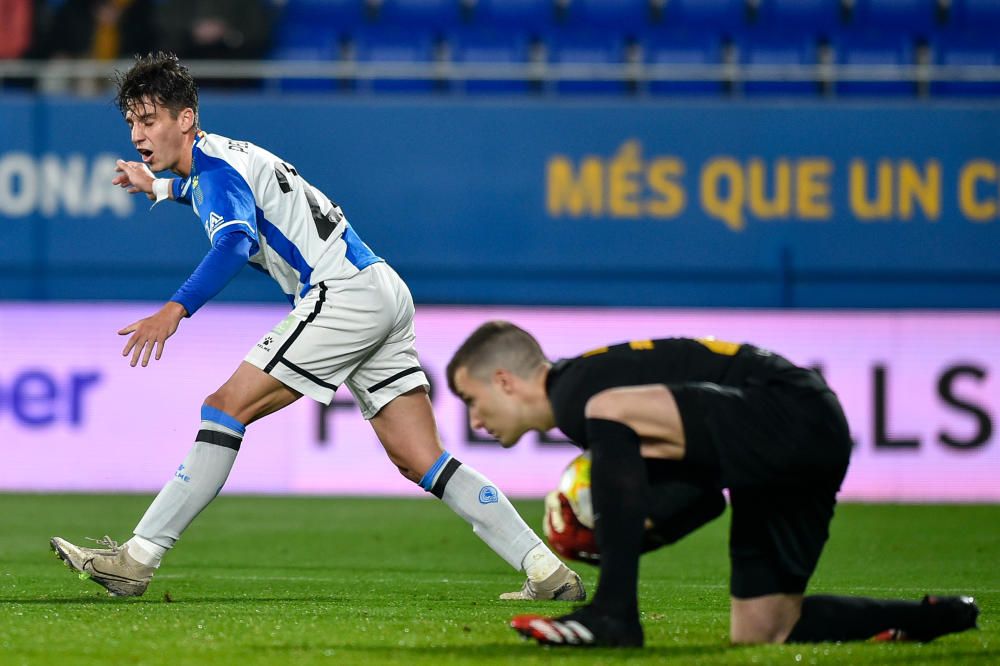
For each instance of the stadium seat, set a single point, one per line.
(966, 49)
(315, 30)
(817, 18)
(662, 49)
(627, 17)
(399, 46)
(873, 49)
(728, 17)
(308, 32)
(770, 51)
(491, 46)
(916, 18)
(976, 15)
(587, 47)
(530, 16)
(435, 15)
(337, 16)
(788, 33)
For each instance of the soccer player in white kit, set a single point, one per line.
(352, 323)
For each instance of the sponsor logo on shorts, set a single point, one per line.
(265, 344)
(488, 495)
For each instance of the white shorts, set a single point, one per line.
(357, 331)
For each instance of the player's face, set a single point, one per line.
(159, 137)
(491, 408)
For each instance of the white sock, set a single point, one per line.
(540, 563)
(196, 483)
(493, 518)
(145, 551)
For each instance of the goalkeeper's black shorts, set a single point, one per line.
(781, 445)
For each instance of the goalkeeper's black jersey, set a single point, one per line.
(572, 382)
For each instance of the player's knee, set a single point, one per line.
(409, 474)
(221, 400)
(605, 405)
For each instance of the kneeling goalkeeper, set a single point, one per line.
(669, 423)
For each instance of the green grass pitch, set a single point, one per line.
(261, 580)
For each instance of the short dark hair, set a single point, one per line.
(162, 79)
(497, 344)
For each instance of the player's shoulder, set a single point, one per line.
(214, 151)
(574, 380)
(220, 162)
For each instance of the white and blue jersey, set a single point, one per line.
(296, 234)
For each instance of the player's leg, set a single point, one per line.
(619, 491)
(247, 396)
(126, 571)
(407, 430)
(768, 618)
(680, 501)
(833, 618)
(772, 557)
(391, 389)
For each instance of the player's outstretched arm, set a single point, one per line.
(152, 332)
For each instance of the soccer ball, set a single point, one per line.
(569, 514)
(575, 485)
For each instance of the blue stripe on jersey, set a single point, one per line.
(358, 253)
(227, 196)
(285, 249)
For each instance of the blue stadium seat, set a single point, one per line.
(916, 18)
(874, 49)
(396, 46)
(966, 49)
(663, 48)
(773, 50)
(315, 30)
(338, 16)
(976, 15)
(818, 18)
(437, 15)
(531, 16)
(628, 17)
(491, 46)
(587, 47)
(728, 17)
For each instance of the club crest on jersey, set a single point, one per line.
(488, 495)
(214, 222)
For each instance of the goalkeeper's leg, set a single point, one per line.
(407, 430)
(678, 503)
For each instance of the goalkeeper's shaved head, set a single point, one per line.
(497, 344)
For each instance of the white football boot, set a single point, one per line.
(111, 567)
(563, 585)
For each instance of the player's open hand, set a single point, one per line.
(152, 332)
(135, 177)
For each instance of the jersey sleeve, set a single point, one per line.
(228, 205)
(220, 265)
(180, 190)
